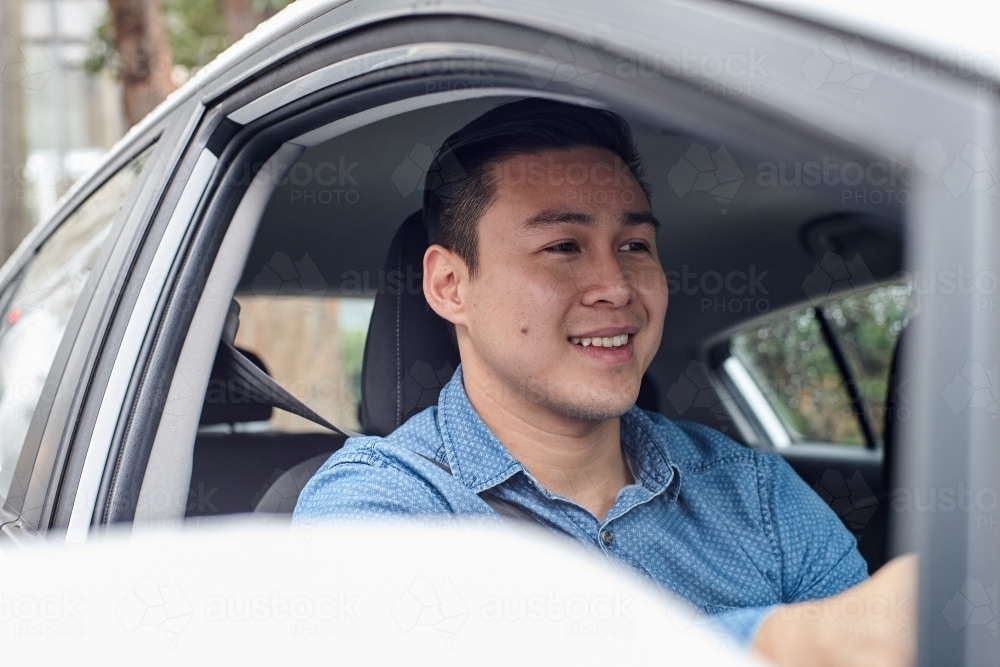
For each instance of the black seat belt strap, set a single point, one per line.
(260, 387)
(504, 508)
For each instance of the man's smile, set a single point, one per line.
(601, 341)
(608, 346)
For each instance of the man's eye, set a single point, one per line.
(635, 246)
(565, 246)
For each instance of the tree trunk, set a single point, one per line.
(240, 18)
(15, 219)
(145, 59)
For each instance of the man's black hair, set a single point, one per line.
(460, 187)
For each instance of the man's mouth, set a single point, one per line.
(601, 341)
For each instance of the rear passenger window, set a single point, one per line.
(36, 306)
(312, 345)
(793, 360)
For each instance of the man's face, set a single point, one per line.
(566, 309)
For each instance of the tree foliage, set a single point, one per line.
(196, 30)
(792, 363)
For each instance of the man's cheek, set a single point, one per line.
(653, 279)
(652, 285)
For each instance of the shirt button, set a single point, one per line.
(606, 537)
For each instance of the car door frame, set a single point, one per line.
(950, 550)
(78, 371)
(37, 461)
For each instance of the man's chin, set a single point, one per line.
(591, 399)
(594, 408)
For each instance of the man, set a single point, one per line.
(543, 258)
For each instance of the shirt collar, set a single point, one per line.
(481, 461)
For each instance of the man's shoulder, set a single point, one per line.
(695, 447)
(416, 440)
(402, 474)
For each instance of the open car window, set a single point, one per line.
(793, 359)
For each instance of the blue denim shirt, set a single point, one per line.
(732, 530)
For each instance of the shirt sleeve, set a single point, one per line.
(819, 556)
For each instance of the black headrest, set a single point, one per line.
(409, 352)
(226, 403)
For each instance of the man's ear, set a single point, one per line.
(445, 279)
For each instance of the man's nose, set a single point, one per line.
(607, 281)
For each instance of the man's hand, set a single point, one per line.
(870, 624)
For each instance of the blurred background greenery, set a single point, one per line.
(197, 30)
(791, 360)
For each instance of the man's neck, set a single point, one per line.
(580, 460)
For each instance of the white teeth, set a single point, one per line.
(599, 341)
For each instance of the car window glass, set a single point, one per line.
(792, 364)
(867, 325)
(36, 307)
(313, 347)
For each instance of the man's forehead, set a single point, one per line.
(557, 216)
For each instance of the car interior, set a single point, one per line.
(331, 285)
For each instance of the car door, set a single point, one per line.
(336, 62)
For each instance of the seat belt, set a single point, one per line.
(261, 387)
(508, 510)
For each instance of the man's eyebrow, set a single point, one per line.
(554, 216)
(640, 218)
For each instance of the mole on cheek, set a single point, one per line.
(524, 330)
